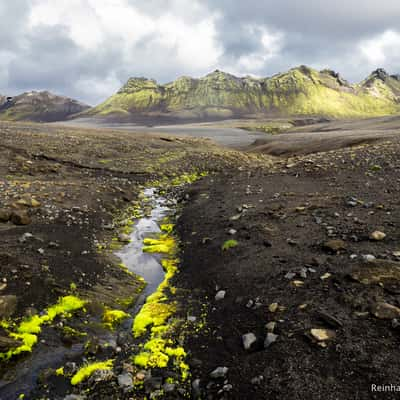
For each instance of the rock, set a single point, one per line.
(74, 397)
(196, 391)
(249, 339)
(334, 245)
(101, 375)
(322, 335)
(25, 237)
(385, 311)
(20, 217)
(153, 383)
(220, 295)
(122, 237)
(125, 381)
(368, 257)
(219, 373)
(271, 326)
(325, 276)
(377, 235)
(271, 338)
(232, 231)
(7, 343)
(290, 275)
(5, 215)
(8, 305)
(169, 387)
(273, 307)
(257, 380)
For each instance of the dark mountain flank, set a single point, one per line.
(39, 107)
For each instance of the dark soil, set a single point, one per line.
(292, 211)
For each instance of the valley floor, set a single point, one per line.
(301, 281)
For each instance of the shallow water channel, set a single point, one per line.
(22, 377)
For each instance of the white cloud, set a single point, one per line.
(380, 49)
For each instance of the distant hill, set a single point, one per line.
(218, 95)
(39, 107)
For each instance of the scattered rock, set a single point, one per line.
(5, 215)
(273, 307)
(219, 373)
(334, 245)
(271, 326)
(385, 311)
(125, 381)
(377, 235)
(122, 237)
(220, 295)
(271, 338)
(25, 237)
(20, 217)
(249, 339)
(8, 305)
(322, 335)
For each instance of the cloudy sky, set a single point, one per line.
(88, 48)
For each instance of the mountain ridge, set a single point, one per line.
(299, 91)
(39, 106)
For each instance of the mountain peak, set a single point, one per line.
(380, 73)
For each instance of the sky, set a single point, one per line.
(87, 49)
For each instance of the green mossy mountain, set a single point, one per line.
(300, 91)
(39, 107)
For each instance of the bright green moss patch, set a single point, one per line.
(229, 244)
(164, 244)
(112, 318)
(60, 371)
(167, 228)
(86, 371)
(28, 329)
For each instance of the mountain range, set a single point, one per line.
(219, 95)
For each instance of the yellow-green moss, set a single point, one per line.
(164, 244)
(60, 371)
(111, 318)
(29, 328)
(87, 370)
(229, 244)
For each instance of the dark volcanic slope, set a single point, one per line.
(39, 107)
(283, 271)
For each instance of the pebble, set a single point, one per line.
(25, 237)
(257, 380)
(334, 245)
(271, 326)
(196, 391)
(273, 307)
(325, 276)
(220, 295)
(368, 257)
(232, 231)
(290, 275)
(219, 373)
(125, 381)
(271, 338)
(322, 334)
(377, 235)
(385, 311)
(249, 339)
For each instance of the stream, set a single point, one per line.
(22, 376)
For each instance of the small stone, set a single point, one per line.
(322, 334)
(334, 245)
(257, 380)
(125, 381)
(122, 237)
(169, 387)
(249, 339)
(271, 326)
(227, 388)
(219, 373)
(297, 283)
(271, 338)
(35, 203)
(325, 276)
(368, 257)
(396, 253)
(232, 231)
(191, 318)
(290, 275)
(74, 397)
(196, 391)
(8, 305)
(25, 237)
(220, 295)
(5, 215)
(19, 217)
(377, 235)
(273, 307)
(385, 311)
